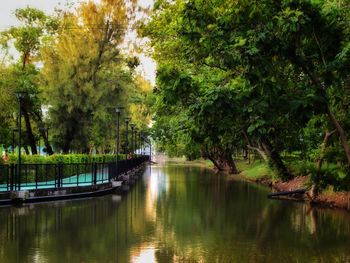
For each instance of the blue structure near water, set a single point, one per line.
(57, 176)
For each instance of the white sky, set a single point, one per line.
(7, 19)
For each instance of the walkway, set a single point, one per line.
(83, 179)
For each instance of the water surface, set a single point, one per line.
(176, 214)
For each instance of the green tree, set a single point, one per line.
(86, 75)
(291, 55)
(23, 77)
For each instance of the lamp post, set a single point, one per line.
(141, 143)
(20, 96)
(13, 140)
(150, 151)
(127, 120)
(132, 138)
(136, 140)
(118, 111)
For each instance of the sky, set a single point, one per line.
(7, 19)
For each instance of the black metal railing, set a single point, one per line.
(44, 176)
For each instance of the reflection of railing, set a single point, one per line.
(44, 176)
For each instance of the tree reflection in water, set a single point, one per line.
(176, 214)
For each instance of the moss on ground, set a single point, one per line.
(255, 170)
(183, 161)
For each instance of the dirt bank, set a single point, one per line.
(328, 198)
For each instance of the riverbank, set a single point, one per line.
(261, 174)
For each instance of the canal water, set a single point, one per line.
(175, 214)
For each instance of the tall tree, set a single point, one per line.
(86, 75)
(291, 54)
(27, 39)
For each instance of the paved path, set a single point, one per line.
(81, 180)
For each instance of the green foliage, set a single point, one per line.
(27, 37)
(84, 74)
(66, 158)
(330, 174)
(256, 170)
(273, 71)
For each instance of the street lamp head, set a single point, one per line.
(132, 126)
(118, 109)
(20, 95)
(127, 120)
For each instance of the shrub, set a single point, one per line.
(65, 158)
(330, 174)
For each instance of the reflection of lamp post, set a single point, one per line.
(127, 120)
(20, 96)
(132, 138)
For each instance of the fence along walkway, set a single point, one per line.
(49, 176)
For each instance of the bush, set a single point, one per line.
(66, 158)
(335, 176)
(330, 174)
(47, 172)
(303, 168)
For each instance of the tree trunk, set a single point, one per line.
(43, 133)
(230, 163)
(68, 138)
(341, 132)
(317, 82)
(26, 149)
(315, 187)
(260, 152)
(207, 154)
(258, 149)
(29, 132)
(46, 141)
(222, 159)
(275, 160)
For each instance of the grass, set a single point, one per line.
(183, 161)
(255, 170)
